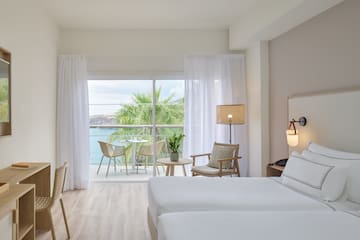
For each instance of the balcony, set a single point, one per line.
(120, 135)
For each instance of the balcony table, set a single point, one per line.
(133, 149)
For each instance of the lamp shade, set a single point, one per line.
(230, 113)
(292, 138)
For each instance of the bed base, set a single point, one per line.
(152, 227)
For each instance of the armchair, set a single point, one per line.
(223, 160)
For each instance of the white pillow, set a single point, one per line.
(316, 148)
(353, 165)
(318, 180)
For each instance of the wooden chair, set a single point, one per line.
(43, 205)
(222, 161)
(112, 151)
(145, 152)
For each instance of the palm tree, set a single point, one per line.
(168, 111)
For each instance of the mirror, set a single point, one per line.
(5, 93)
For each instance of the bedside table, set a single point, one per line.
(273, 170)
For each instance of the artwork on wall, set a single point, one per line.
(5, 92)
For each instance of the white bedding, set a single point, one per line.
(179, 194)
(259, 225)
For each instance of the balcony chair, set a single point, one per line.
(145, 152)
(112, 151)
(222, 161)
(43, 205)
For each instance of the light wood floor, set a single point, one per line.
(104, 211)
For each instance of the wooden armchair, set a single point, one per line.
(222, 161)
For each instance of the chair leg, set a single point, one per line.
(184, 171)
(237, 168)
(126, 167)
(65, 219)
(145, 165)
(100, 165)
(158, 171)
(51, 225)
(114, 163)
(107, 171)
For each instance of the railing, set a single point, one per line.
(112, 133)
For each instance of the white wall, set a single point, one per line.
(322, 54)
(129, 51)
(31, 38)
(272, 18)
(257, 75)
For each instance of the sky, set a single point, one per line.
(106, 96)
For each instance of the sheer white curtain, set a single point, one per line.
(210, 81)
(72, 121)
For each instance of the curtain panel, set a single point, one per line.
(72, 120)
(210, 81)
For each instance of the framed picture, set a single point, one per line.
(5, 92)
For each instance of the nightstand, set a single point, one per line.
(273, 170)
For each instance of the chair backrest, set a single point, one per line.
(159, 147)
(106, 149)
(59, 181)
(146, 149)
(222, 151)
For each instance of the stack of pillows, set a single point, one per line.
(324, 173)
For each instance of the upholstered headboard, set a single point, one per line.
(333, 119)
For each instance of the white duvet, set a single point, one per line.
(259, 225)
(179, 194)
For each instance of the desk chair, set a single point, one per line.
(43, 205)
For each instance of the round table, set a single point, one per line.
(133, 149)
(170, 165)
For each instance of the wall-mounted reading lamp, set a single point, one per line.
(292, 134)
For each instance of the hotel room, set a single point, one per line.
(175, 120)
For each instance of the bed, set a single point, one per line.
(260, 225)
(181, 195)
(308, 183)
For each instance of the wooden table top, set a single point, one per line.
(14, 175)
(182, 161)
(280, 168)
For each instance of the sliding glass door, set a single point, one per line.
(138, 115)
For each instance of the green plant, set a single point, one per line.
(174, 142)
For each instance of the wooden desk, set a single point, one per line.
(170, 165)
(37, 173)
(19, 204)
(274, 170)
(24, 183)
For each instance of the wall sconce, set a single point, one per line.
(292, 134)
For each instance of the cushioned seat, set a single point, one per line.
(210, 170)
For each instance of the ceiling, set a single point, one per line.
(147, 14)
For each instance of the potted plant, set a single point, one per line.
(174, 143)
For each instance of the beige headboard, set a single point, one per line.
(333, 119)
